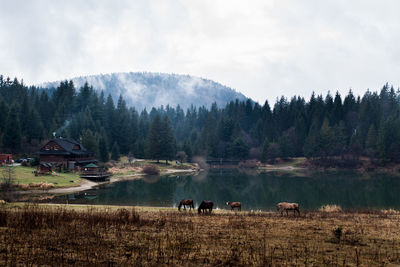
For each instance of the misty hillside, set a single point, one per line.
(147, 90)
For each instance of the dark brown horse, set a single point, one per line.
(284, 206)
(234, 205)
(186, 202)
(206, 205)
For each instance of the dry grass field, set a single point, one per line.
(111, 236)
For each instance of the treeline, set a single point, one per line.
(322, 127)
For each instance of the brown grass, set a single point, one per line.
(330, 208)
(151, 170)
(57, 236)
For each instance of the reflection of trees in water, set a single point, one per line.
(151, 179)
(260, 191)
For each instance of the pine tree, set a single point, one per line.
(12, 134)
(273, 152)
(103, 151)
(167, 140)
(3, 114)
(239, 149)
(90, 141)
(154, 140)
(188, 150)
(326, 139)
(115, 152)
(122, 130)
(35, 126)
(264, 150)
(370, 143)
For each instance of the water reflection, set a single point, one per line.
(257, 191)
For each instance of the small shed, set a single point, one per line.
(6, 158)
(95, 173)
(44, 169)
(91, 167)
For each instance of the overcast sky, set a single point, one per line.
(263, 49)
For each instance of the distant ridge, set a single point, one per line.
(147, 89)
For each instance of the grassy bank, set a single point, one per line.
(25, 175)
(79, 235)
(123, 167)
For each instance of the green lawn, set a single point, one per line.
(25, 175)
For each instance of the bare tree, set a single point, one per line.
(8, 178)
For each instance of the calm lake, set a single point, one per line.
(256, 191)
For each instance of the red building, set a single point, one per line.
(66, 153)
(6, 158)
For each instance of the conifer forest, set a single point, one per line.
(321, 127)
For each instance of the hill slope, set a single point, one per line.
(147, 90)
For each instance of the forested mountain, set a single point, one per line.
(322, 127)
(147, 90)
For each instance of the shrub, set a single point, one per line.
(337, 232)
(330, 208)
(252, 163)
(8, 178)
(151, 170)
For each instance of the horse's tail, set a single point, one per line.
(199, 210)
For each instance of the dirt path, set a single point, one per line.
(83, 185)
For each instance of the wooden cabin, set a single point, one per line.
(65, 153)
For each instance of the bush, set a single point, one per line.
(337, 232)
(8, 178)
(35, 161)
(251, 163)
(151, 170)
(330, 208)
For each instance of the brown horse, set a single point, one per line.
(205, 205)
(284, 206)
(234, 205)
(186, 202)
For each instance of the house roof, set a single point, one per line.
(68, 145)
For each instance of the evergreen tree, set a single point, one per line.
(12, 134)
(188, 150)
(239, 149)
(115, 152)
(154, 140)
(167, 140)
(90, 141)
(326, 139)
(3, 114)
(103, 151)
(370, 143)
(34, 125)
(264, 150)
(273, 152)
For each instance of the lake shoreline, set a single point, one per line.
(85, 184)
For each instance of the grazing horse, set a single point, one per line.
(186, 202)
(234, 205)
(206, 205)
(284, 206)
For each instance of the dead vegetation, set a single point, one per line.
(150, 170)
(58, 236)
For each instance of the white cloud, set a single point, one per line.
(262, 48)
